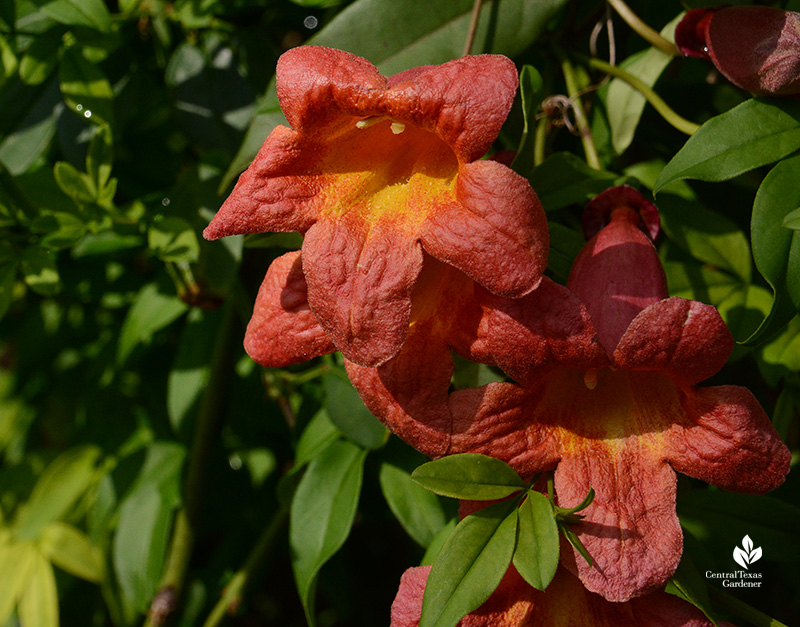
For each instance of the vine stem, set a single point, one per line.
(209, 420)
(644, 31)
(473, 27)
(742, 609)
(678, 122)
(589, 149)
(234, 591)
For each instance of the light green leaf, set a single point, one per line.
(60, 229)
(348, 413)
(536, 555)
(99, 157)
(776, 250)
(322, 513)
(151, 311)
(792, 220)
(469, 566)
(16, 565)
(706, 235)
(469, 476)
(743, 310)
(173, 239)
(64, 481)
(8, 61)
(39, 271)
(74, 183)
(90, 13)
(70, 549)
(396, 36)
(38, 605)
(624, 104)
(319, 433)
(418, 510)
(755, 133)
(85, 88)
(784, 350)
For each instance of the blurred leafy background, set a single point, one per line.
(147, 466)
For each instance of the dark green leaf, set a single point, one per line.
(420, 512)
(105, 243)
(85, 88)
(755, 133)
(536, 555)
(784, 350)
(40, 58)
(151, 311)
(438, 542)
(744, 308)
(470, 477)
(792, 220)
(776, 250)
(469, 566)
(90, 13)
(8, 61)
(322, 512)
(565, 244)
(99, 157)
(575, 541)
(564, 179)
(39, 271)
(531, 89)
(586, 502)
(74, 183)
(65, 480)
(173, 239)
(316, 437)
(8, 273)
(348, 413)
(60, 229)
(688, 584)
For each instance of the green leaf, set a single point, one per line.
(776, 250)
(438, 542)
(706, 235)
(70, 550)
(40, 58)
(16, 565)
(536, 555)
(784, 350)
(563, 179)
(85, 88)
(60, 229)
(419, 512)
(688, 584)
(573, 539)
(565, 512)
(792, 220)
(90, 13)
(470, 565)
(74, 183)
(316, 437)
(38, 604)
(531, 90)
(151, 311)
(565, 244)
(348, 413)
(99, 157)
(8, 61)
(64, 481)
(25, 143)
(744, 309)
(173, 239)
(396, 36)
(755, 133)
(469, 476)
(190, 373)
(8, 273)
(322, 513)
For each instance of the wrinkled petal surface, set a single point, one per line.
(283, 330)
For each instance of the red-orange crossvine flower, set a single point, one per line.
(605, 394)
(565, 603)
(376, 173)
(756, 48)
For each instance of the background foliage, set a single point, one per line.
(146, 464)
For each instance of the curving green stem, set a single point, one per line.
(681, 124)
(589, 149)
(644, 31)
(539, 142)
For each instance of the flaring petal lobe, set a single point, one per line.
(359, 285)
(727, 440)
(496, 233)
(683, 339)
(283, 330)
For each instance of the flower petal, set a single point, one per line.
(727, 440)
(272, 194)
(757, 48)
(283, 330)
(631, 529)
(495, 233)
(547, 327)
(684, 339)
(690, 33)
(359, 285)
